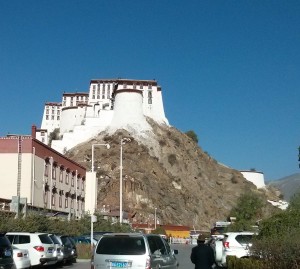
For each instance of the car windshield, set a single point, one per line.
(54, 239)
(45, 239)
(121, 245)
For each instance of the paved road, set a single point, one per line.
(183, 257)
(184, 252)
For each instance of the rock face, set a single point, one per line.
(167, 171)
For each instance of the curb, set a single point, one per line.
(83, 260)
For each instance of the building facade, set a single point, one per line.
(81, 115)
(41, 176)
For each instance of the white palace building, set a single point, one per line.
(110, 104)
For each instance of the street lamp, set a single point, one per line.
(93, 218)
(155, 218)
(122, 141)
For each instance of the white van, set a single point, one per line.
(134, 251)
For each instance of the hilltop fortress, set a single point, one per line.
(109, 105)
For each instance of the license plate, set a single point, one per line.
(50, 250)
(119, 264)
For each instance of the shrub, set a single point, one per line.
(191, 134)
(172, 159)
(84, 251)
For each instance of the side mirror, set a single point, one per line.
(175, 251)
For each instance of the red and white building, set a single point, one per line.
(41, 176)
(109, 103)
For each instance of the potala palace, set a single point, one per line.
(110, 104)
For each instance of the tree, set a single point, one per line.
(247, 211)
(53, 136)
(191, 134)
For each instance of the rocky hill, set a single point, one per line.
(288, 185)
(167, 170)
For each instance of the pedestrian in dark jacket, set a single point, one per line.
(202, 255)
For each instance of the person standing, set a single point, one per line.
(202, 255)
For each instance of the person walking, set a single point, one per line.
(202, 255)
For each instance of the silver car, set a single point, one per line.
(134, 251)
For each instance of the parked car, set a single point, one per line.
(96, 234)
(74, 249)
(95, 241)
(134, 250)
(21, 258)
(58, 251)
(6, 253)
(67, 248)
(81, 240)
(39, 246)
(233, 244)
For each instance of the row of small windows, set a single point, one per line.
(52, 117)
(79, 202)
(102, 93)
(52, 111)
(78, 98)
(98, 86)
(64, 177)
(135, 85)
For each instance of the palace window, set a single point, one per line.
(53, 199)
(54, 166)
(60, 201)
(61, 174)
(67, 178)
(46, 170)
(72, 180)
(66, 202)
(47, 117)
(46, 198)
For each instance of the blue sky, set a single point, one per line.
(229, 70)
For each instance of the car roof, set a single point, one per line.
(124, 234)
(237, 233)
(25, 233)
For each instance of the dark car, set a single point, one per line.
(67, 248)
(6, 253)
(74, 249)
